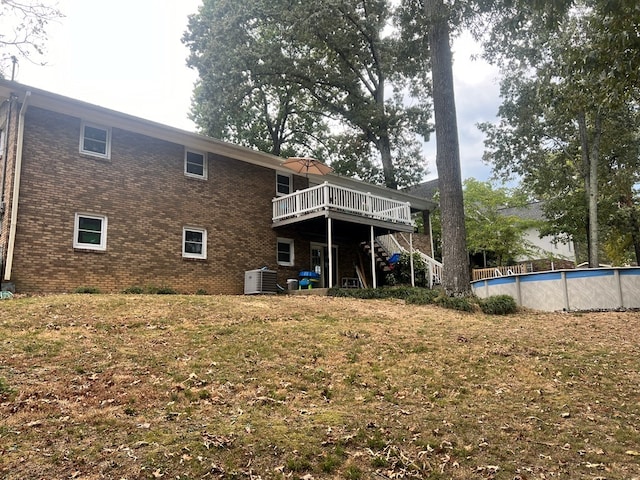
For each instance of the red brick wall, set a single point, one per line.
(147, 198)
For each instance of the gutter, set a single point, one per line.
(16, 188)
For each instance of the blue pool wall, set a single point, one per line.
(569, 290)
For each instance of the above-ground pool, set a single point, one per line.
(583, 289)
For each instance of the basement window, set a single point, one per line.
(95, 140)
(194, 242)
(285, 252)
(195, 164)
(90, 232)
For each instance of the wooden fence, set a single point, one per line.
(482, 273)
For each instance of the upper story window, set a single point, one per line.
(194, 242)
(90, 232)
(95, 140)
(283, 183)
(195, 164)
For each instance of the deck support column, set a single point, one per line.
(330, 249)
(413, 273)
(373, 259)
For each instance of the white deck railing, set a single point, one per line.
(391, 245)
(333, 197)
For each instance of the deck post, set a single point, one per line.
(413, 273)
(373, 260)
(330, 249)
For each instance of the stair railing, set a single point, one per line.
(391, 245)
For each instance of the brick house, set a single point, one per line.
(94, 197)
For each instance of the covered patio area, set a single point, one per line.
(330, 212)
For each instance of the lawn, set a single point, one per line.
(265, 387)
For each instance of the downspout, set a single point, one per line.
(7, 129)
(16, 188)
(3, 183)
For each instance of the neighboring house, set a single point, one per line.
(549, 252)
(94, 197)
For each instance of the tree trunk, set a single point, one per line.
(590, 157)
(384, 146)
(455, 258)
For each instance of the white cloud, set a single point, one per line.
(477, 100)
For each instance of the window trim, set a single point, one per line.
(291, 244)
(107, 154)
(102, 246)
(290, 177)
(200, 256)
(205, 161)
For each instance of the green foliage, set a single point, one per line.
(165, 291)
(402, 293)
(412, 295)
(135, 290)
(353, 472)
(569, 119)
(401, 274)
(489, 228)
(150, 289)
(422, 296)
(5, 389)
(275, 74)
(87, 290)
(464, 304)
(499, 305)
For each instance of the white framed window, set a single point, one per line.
(283, 183)
(194, 242)
(95, 140)
(285, 252)
(195, 164)
(90, 232)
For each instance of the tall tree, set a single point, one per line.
(489, 229)
(455, 259)
(332, 63)
(560, 107)
(23, 30)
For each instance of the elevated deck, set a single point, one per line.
(342, 203)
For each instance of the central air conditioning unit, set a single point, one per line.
(260, 281)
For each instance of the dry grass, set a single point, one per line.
(128, 387)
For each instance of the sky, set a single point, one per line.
(127, 55)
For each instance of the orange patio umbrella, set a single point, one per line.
(307, 165)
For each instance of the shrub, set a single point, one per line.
(402, 293)
(499, 305)
(201, 291)
(136, 290)
(463, 304)
(422, 297)
(165, 291)
(87, 290)
(401, 273)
